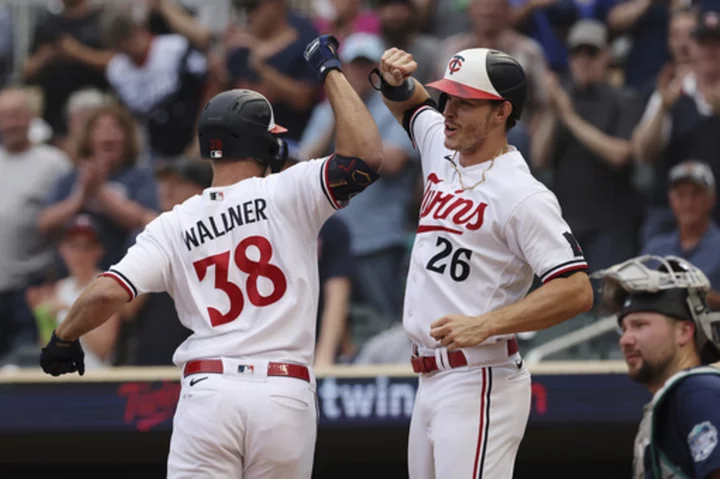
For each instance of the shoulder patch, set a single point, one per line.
(703, 439)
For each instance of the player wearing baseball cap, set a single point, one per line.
(240, 261)
(486, 228)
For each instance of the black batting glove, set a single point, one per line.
(322, 56)
(62, 357)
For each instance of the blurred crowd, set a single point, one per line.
(97, 132)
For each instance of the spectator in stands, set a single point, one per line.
(347, 17)
(682, 121)
(336, 270)
(105, 184)
(80, 106)
(696, 236)
(160, 79)
(443, 18)
(491, 29)
(548, 22)
(152, 329)
(267, 56)
(682, 23)
(27, 172)
(398, 26)
(379, 242)
(81, 251)
(53, 67)
(584, 139)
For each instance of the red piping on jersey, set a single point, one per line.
(482, 420)
(566, 270)
(327, 183)
(120, 282)
(429, 228)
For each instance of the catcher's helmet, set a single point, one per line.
(239, 124)
(484, 74)
(674, 288)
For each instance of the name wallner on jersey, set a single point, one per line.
(216, 226)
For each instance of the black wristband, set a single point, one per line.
(393, 93)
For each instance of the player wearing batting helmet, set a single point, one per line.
(486, 228)
(240, 261)
(669, 339)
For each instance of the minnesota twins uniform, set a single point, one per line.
(484, 231)
(241, 264)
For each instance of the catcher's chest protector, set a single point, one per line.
(645, 440)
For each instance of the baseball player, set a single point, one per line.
(669, 336)
(240, 262)
(486, 227)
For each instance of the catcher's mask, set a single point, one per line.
(673, 287)
(238, 124)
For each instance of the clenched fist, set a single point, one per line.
(396, 66)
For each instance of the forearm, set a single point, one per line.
(334, 318)
(551, 304)
(185, 25)
(623, 17)
(98, 303)
(614, 151)
(90, 56)
(647, 140)
(125, 212)
(299, 95)
(543, 142)
(398, 108)
(356, 133)
(55, 216)
(32, 66)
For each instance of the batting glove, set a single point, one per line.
(62, 357)
(322, 56)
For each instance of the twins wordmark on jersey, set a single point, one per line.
(478, 247)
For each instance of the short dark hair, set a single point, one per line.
(118, 25)
(126, 123)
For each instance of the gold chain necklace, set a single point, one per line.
(492, 162)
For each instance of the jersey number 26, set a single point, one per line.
(254, 270)
(459, 267)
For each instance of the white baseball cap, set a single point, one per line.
(484, 74)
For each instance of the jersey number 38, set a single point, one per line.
(254, 270)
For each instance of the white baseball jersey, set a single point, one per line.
(476, 250)
(241, 264)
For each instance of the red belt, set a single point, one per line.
(456, 359)
(205, 366)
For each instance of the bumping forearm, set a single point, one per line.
(102, 299)
(356, 133)
(551, 304)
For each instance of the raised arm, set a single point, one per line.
(401, 92)
(356, 134)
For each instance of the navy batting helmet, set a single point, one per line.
(238, 124)
(484, 74)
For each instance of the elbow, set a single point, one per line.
(374, 159)
(622, 155)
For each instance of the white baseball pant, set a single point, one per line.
(242, 424)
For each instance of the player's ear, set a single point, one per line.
(684, 332)
(502, 111)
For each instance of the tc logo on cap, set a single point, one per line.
(455, 64)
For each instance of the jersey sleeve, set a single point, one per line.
(537, 233)
(146, 267)
(698, 419)
(425, 126)
(303, 195)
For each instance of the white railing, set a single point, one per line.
(571, 339)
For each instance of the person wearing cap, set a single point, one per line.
(491, 28)
(584, 140)
(487, 227)
(696, 236)
(379, 240)
(671, 343)
(682, 122)
(81, 251)
(181, 180)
